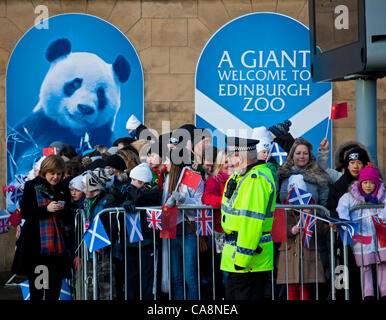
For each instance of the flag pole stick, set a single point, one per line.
(328, 126)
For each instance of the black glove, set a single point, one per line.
(129, 206)
(238, 268)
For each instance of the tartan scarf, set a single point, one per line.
(51, 240)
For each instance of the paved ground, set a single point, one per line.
(10, 293)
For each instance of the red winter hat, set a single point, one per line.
(369, 173)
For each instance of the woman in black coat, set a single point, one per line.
(44, 248)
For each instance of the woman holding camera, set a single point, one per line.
(43, 250)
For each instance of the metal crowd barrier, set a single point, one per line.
(83, 278)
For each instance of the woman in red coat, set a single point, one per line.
(214, 188)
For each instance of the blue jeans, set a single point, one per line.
(190, 247)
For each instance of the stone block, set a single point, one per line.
(183, 60)
(212, 13)
(3, 8)
(264, 5)
(156, 107)
(54, 6)
(9, 34)
(169, 9)
(155, 60)
(3, 120)
(169, 87)
(169, 32)
(237, 8)
(198, 34)
(291, 8)
(140, 34)
(70, 6)
(22, 14)
(100, 8)
(343, 90)
(125, 14)
(4, 57)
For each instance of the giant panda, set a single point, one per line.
(79, 96)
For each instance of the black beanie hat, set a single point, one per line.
(280, 128)
(356, 153)
(116, 162)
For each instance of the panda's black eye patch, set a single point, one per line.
(71, 86)
(102, 101)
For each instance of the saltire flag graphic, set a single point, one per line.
(169, 222)
(16, 195)
(279, 231)
(65, 292)
(189, 178)
(133, 225)
(153, 217)
(48, 151)
(204, 224)
(299, 196)
(380, 228)
(347, 229)
(96, 236)
(278, 153)
(4, 222)
(338, 111)
(307, 223)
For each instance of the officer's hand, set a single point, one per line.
(238, 268)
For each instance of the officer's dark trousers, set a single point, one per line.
(245, 286)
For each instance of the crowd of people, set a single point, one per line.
(136, 172)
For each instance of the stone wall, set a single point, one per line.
(169, 36)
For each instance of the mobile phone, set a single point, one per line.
(62, 202)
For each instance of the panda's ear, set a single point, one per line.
(58, 48)
(121, 68)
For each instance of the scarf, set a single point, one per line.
(51, 240)
(160, 180)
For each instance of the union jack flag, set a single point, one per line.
(4, 224)
(299, 196)
(153, 217)
(307, 223)
(204, 225)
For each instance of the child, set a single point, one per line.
(134, 194)
(155, 160)
(293, 244)
(77, 195)
(264, 147)
(97, 199)
(367, 190)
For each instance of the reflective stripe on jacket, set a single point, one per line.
(249, 212)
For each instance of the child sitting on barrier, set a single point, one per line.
(136, 194)
(367, 190)
(296, 260)
(97, 199)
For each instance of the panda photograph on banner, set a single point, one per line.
(75, 80)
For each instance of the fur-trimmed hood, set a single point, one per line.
(356, 194)
(312, 173)
(343, 149)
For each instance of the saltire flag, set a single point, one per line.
(338, 111)
(16, 195)
(96, 236)
(347, 229)
(190, 178)
(133, 226)
(278, 153)
(299, 196)
(204, 224)
(169, 222)
(48, 151)
(65, 292)
(279, 230)
(307, 223)
(153, 217)
(380, 228)
(4, 222)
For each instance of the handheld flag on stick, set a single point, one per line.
(307, 224)
(4, 222)
(133, 226)
(278, 153)
(96, 236)
(279, 231)
(65, 292)
(338, 111)
(189, 178)
(204, 224)
(380, 228)
(48, 151)
(299, 196)
(169, 222)
(153, 217)
(347, 229)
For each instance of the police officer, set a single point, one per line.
(246, 216)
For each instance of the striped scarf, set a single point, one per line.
(51, 240)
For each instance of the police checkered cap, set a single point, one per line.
(236, 144)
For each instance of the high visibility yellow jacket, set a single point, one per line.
(248, 215)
